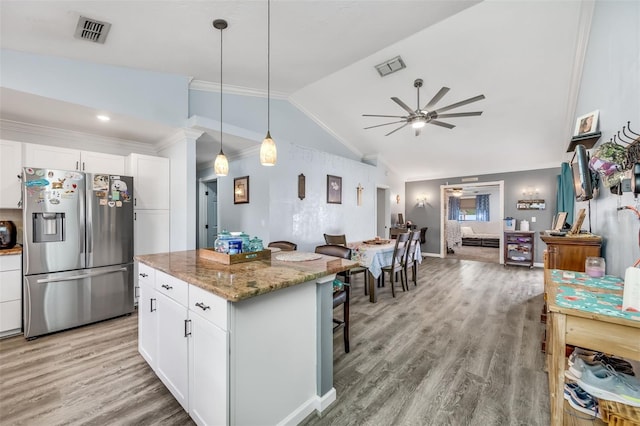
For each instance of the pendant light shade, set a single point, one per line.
(221, 165)
(268, 152)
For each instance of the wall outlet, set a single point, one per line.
(533, 219)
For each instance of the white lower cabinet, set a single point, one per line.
(10, 294)
(147, 322)
(208, 366)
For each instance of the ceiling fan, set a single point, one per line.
(427, 114)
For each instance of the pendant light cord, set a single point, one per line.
(221, 56)
(268, 65)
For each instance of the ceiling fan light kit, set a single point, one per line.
(427, 114)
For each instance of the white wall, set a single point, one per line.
(611, 84)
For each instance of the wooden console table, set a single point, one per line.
(605, 333)
(570, 252)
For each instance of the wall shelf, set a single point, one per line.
(588, 140)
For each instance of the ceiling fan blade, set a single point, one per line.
(440, 123)
(388, 116)
(436, 98)
(460, 114)
(393, 131)
(385, 124)
(403, 105)
(457, 104)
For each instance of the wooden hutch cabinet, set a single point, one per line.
(571, 251)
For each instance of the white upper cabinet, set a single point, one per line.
(53, 157)
(150, 181)
(10, 171)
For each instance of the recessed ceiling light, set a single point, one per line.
(103, 117)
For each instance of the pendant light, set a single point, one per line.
(221, 165)
(268, 152)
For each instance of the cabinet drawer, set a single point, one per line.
(173, 287)
(10, 262)
(10, 286)
(10, 315)
(146, 274)
(213, 308)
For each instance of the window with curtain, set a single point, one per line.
(482, 208)
(467, 209)
(454, 208)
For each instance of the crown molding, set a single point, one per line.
(208, 86)
(179, 136)
(32, 133)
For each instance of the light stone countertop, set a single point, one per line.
(243, 280)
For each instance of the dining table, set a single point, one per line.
(374, 255)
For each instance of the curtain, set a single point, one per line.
(482, 208)
(454, 208)
(566, 192)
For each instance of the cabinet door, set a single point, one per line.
(151, 181)
(10, 170)
(151, 231)
(52, 157)
(171, 360)
(208, 380)
(97, 162)
(148, 323)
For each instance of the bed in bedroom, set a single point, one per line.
(472, 238)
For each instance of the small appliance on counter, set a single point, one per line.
(7, 234)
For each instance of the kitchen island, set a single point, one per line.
(249, 343)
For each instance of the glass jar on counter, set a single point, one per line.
(256, 244)
(221, 244)
(594, 267)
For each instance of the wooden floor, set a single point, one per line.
(460, 348)
(481, 254)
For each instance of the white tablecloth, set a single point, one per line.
(374, 256)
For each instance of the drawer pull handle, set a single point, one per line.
(202, 306)
(143, 275)
(167, 286)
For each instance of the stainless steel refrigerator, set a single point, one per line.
(78, 248)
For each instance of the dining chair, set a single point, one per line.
(423, 235)
(283, 245)
(397, 263)
(410, 260)
(341, 239)
(340, 297)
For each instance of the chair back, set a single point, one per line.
(400, 249)
(334, 250)
(423, 235)
(335, 239)
(412, 246)
(284, 245)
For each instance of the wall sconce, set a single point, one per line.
(359, 195)
(422, 200)
(398, 199)
(530, 192)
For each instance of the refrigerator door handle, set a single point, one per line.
(75, 277)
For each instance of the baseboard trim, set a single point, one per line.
(316, 403)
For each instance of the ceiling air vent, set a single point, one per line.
(92, 30)
(390, 66)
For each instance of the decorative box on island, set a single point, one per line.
(230, 259)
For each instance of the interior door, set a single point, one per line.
(212, 212)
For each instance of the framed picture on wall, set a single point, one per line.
(334, 189)
(241, 190)
(587, 123)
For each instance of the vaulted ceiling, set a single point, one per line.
(524, 56)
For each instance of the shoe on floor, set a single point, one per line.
(612, 386)
(581, 400)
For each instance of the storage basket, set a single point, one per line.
(617, 414)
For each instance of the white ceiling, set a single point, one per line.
(520, 55)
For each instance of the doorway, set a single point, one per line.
(208, 213)
(383, 212)
(468, 235)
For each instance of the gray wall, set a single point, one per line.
(610, 84)
(545, 181)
